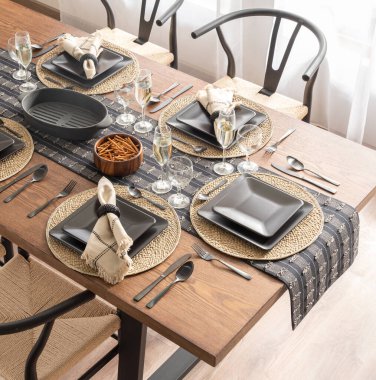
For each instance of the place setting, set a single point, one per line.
(192, 120)
(89, 65)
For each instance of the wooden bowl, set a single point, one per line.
(118, 168)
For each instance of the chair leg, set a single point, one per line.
(132, 342)
(8, 249)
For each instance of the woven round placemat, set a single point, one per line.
(212, 152)
(151, 255)
(15, 162)
(125, 75)
(300, 237)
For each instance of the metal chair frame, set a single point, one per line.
(273, 76)
(145, 26)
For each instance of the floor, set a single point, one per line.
(337, 340)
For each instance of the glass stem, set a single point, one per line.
(163, 177)
(26, 74)
(143, 113)
(223, 156)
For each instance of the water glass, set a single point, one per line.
(19, 74)
(143, 94)
(162, 149)
(224, 128)
(122, 96)
(249, 138)
(24, 53)
(180, 173)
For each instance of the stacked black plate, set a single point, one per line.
(255, 211)
(194, 121)
(141, 225)
(9, 144)
(109, 63)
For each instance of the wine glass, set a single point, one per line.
(224, 128)
(143, 95)
(122, 96)
(180, 173)
(162, 149)
(11, 47)
(24, 51)
(249, 138)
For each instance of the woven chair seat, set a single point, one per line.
(149, 50)
(249, 90)
(2, 251)
(29, 287)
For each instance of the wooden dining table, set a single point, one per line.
(210, 315)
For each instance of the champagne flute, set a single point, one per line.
(24, 53)
(143, 95)
(224, 128)
(122, 96)
(249, 138)
(20, 73)
(162, 149)
(180, 172)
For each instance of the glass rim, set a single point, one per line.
(241, 130)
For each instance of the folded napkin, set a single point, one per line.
(108, 245)
(83, 49)
(215, 100)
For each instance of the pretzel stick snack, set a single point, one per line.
(117, 148)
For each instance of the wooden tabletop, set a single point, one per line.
(212, 311)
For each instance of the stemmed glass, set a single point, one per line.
(122, 96)
(162, 149)
(249, 139)
(180, 172)
(143, 94)
(24, 51)
(224, 128)
(20, 73)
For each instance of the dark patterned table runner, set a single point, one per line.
(307, 274)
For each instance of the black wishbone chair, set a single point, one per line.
(267, 94)
(140, 44)
(47, 323)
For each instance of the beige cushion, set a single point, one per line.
(149, 50)
(2, 251)
(27, 288)
(276, 101)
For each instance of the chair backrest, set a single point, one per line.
(145, 26)
(273, 76)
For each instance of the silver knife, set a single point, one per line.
(21, 176)
(44, 51)
(177, 264)
(304, 178)
(169, 100)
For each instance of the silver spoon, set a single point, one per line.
(182, 274)
(157, 98)
(205, 196)
(136, 193)
(37, 176)
(196, 148)
(299, 166)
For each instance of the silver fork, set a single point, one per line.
(272, 148)
(63, 193)
(208, 257)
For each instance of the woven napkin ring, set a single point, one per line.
(89, 56)
(108, 208)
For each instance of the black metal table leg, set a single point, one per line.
(8, 248)
(132, 342)
(176, 366)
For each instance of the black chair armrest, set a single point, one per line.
(169, 13)
(48, 315)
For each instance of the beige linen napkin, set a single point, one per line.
(215, 100)
(108, 245)
(79, 47)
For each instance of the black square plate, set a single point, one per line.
(207, 212)
(106, 60)
(160, 224)
(86, 83)
(205, 123)
(15, 147)
(5, 141)
(258, 206)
